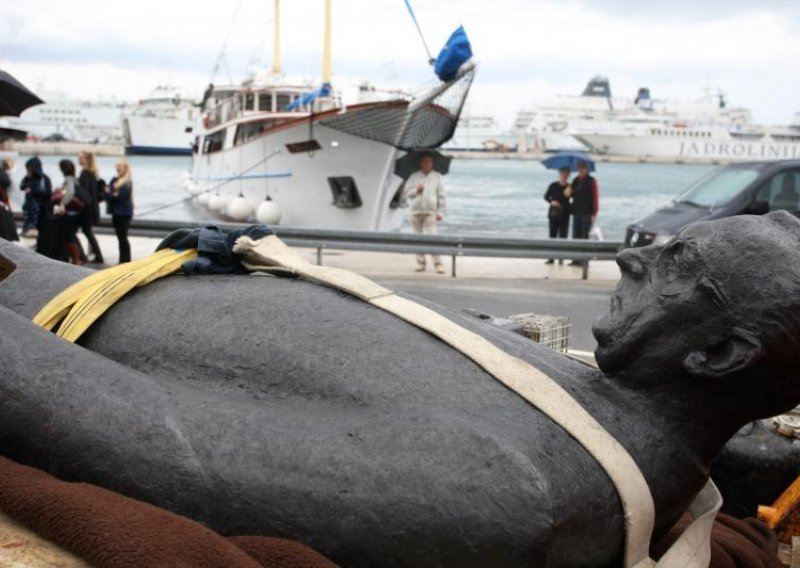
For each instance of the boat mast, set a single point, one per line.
(276, 47)
(326, 51)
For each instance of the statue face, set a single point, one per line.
(663, 307)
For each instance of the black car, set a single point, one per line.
(752, 188)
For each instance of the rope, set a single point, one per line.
(431, 59)
(225, 43)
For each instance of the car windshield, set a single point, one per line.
(718, 187)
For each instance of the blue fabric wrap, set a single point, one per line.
(454, 54)
(308, 98)
(214, 247)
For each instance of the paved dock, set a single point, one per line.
(65, 148)
(497, 286)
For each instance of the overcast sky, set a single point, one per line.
(527, 49)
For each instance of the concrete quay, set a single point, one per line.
(65, 148)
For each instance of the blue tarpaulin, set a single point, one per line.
(454, 54)
(308, 98)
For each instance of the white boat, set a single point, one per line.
(547, 124)
(682, 141)
(161, 124)
(8, 132)
(476, 133)
(271, 150)
(562, 122)
(65, 118)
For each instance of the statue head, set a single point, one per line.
(720, 301)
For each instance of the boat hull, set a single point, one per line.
(157, 151)
(158, 135)
(300, 182)
(722, 149)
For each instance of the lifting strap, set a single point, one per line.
(80, 305)
(692, 550)
(84, 302)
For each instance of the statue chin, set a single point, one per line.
(608, 331)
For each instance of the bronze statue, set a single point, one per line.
(266, 405)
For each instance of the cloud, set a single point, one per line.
(528, 50)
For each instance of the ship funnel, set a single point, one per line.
(643, 99)
(598, 86)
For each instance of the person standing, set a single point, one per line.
(558, 214)
(8, 227)
(70, 209)
(39, 209)
(425, 189)
(5, 181)
(585, 195)
(91, 213)
(120, 197)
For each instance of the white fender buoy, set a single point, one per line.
(239, 209)
(187, 183)
(217, 202)
(204, 198)
(268, 213)
(195, 189)
(186, 175)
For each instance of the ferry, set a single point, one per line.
(546, 124)
(566, 122)
(161, 124)
(682, 141)
(63, 118)
(480, 133)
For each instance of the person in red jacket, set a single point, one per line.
(585, 194)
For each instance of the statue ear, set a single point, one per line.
(739, 350)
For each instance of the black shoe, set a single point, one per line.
(576, 263)
(551, 261)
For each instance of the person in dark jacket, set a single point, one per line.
(558, 214)
(5, 181)
(91, 213)
(8, 227)
(585, 195)
(120, 197)
(70, 209)
(38, 192)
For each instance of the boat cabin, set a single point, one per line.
(249, 111)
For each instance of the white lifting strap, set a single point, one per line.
(270, 253)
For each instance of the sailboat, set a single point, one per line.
(275, 151)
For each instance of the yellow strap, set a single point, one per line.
(523, 378)
(56, 309)
(80, 305)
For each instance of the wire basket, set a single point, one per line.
(550, 331)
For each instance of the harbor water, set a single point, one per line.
(484, 197)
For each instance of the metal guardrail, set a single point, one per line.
(453, 246)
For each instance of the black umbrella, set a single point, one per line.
(14, 96)
(408, 164)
